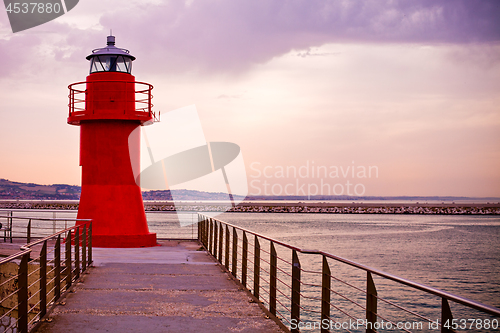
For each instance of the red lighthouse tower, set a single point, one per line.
(108, 106)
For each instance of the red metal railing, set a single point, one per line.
(78, 97)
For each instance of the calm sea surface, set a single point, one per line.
(424, 248)
(458, 254)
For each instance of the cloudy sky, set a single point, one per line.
(407, 89)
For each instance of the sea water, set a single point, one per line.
(457, 254)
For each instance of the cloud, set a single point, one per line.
(36, 53)
(311, 53)
(230, 96)
(231, 36)
(228, 35)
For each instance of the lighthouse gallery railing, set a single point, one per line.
(78, 93)
(300, 297)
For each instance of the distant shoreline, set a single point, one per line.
(287, 207)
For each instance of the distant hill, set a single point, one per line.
(30, 191)
(166, 195)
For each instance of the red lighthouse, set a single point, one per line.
(108, 106)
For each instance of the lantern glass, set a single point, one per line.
(110, 63)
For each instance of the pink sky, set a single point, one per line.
(409, 87)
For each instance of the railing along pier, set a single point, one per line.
(44, 270)
(337, 297)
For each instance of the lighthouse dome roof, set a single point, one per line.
(110, 49)
(111, 59)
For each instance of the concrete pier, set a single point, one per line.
(169, 288)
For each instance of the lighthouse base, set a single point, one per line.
(118, 217)
(124, 241)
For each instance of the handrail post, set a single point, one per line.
(295, 311)
(235, 252)
(57, 268)
(202, 233)
(325, 295)
(272, 279)
(28, 232)
(10, 226)
(149, 100)
(216, 238)
(371, 304)
(22, 295)
(84, 248)
(227, 248)
(446, 317)
(69, 104)
(256, 268)
(71, 97)
(244, 260)
(215, 233)
(205, 233)
(199, 228)
(90, 244)
(8, 230)
(54, 223)
(43, 280)
(69, 270)
(221, 241)
(77, 252)
(210, 236)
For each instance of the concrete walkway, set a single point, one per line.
(169, 288)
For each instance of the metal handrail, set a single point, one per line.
(8, 229)
(66, 266)
(207, 234)
(15, 256)
(148, 108)
(28, 246)
(44, 218)
(437, 292)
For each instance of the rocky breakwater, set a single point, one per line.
(288, 207)
(334, 208)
